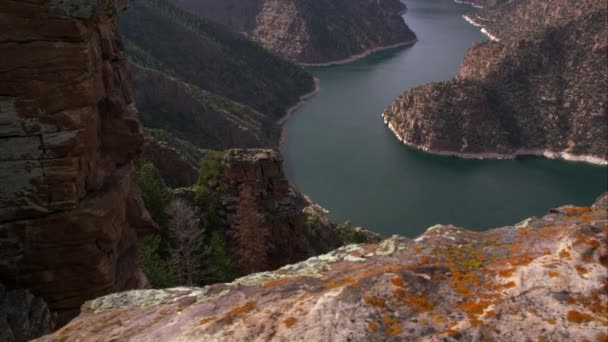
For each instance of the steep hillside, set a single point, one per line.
(539, 90)
(543, 279)
(312, 32)
(188, 71)
(198, 116)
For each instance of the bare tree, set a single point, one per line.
(186, 254)
(250, 234)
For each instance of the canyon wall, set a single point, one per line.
(312, 32)
(70, 215)
(542, 279)
(538, 87)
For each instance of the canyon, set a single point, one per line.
(78, 171)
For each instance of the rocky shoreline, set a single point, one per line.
(483, 29)
(361, 55)
(468, 3)
(519, 153)
(300, 103)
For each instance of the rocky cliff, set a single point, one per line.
(538, 88)
(541, 279)
(312, 32)
(70, 216)
(262, 210)
(245, 206)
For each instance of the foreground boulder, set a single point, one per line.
(542, 279)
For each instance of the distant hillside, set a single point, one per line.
(307, 31)
(538, 89)
(204, 83)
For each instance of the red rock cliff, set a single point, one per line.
(70, 215)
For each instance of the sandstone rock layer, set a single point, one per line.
(541, 279)
(70, 215)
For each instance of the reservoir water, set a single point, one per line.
(338, 151)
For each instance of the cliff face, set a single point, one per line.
(70, 216)
(538, 88)
(311, 32)
(542, 279)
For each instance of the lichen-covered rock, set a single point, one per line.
(537, 88)
(70, 215)
(541, 279)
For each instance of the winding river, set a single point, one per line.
(338, 151)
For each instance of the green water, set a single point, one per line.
(338, 151)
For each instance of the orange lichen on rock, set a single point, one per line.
(238, 310)
(392, 326)
(418, 303)
(587, 258)
(508, 285)
(372, 326)
(397, 280)
(564, 254)
(474, 309)
(353, 280)
(552, 274)
(206, 320)
(290, 321)
(577, 210)
(579, 317)
(549, 320)
(281, 281)
(374, 301)
(581, 270)
(462, 281)
(519, 260)
(593, 243)
(506, 273)
(453, 333)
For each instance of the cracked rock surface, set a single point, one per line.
(541, 279)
